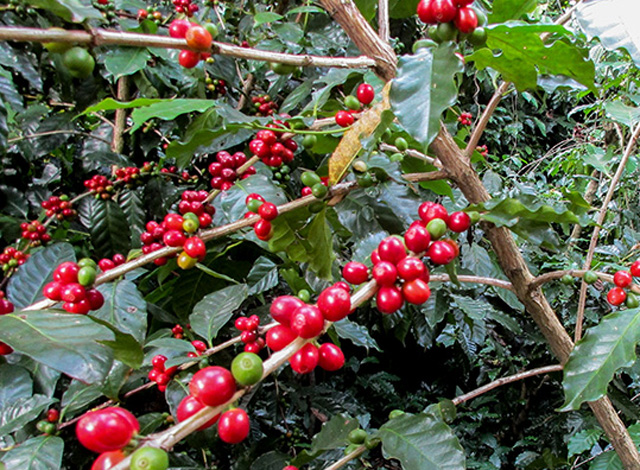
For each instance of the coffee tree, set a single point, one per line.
(318, 235)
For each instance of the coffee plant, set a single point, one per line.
(319, 235)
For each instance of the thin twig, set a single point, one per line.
(578, 273)
(59, 131)
(104, 37)
(504, 381)
(354, 454)
(117, 140)
(246, 91)
(596, 231)
(412, 153)
(383, 20)
(474, 280)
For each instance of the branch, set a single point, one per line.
(104, 37)
(474, 280)
(428, 176)
(383, 20)
(117, 140)
(579, 273)
(504, 381)
(205, 235)
(357, 452)
(596, 231)
(59, 131)
(412, 153)
(246, 91)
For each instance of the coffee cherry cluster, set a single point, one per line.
(483, 149)
(465, 119)
(129, 175)
(623, 280)
(267, 212)
(271, 147)
(198, 38)
(100, 186)
(250, 336)
(159, 374)
(35, 232)
(185, 6)
(314, 184)
(298, 319)
(12, 258)
(59, 206)
(143, 14)
(193, 201)
(72, 284)
(364, 96)
(464, 18)
(224, 169)
(105, 264)
(177, 332)
(264, 105)
(217, 86)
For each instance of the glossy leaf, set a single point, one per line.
(620, 112)
(107, 225)
(605, 348)
(334, 433)
(62, 341)
(25, 287)
(168, 110)
(231, 206)
(613, 22)
(124, 308)
(109, 104)
(421, 442)
(125, 61)
(263, 276)
(15, 383)
(357, 334)
(428, 74)
(38, 453)
(21, 411)
(70, 10)
(523, 55)
(504, 10)
(133, 207)
(216, 309)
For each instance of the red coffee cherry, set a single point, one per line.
(279, 337)
(283, 307)
(442, 252)
(355, 273)
(622, 278)
(389, 299)
(106, 430)
(416, 291)
(334, 303)
(212, 386)
(190, 406)
(234, 426)
(616, 296)
(307, 321)
(417, 238)
(459, 222)
(365, 93)
(331, 357)
(344, 118)
(305, 360)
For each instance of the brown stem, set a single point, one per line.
(246, 91)
(428, 176)
(411, 153)
(504, 381)
(117, 141)
(579, 273)
(104, 37)
(383, 20)
(354, 454)
(481, 125)
(589, 194)
(599, 221)
(59, 131)
(474, 280)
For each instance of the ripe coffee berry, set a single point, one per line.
(198, 38)
(616, 296)
(635, 269)
(282, 308)
(391, 249)
(365, 93)
(344, 118)
(429, 211)
(355, 273)
(212, 386)
(385, 273)
(622, 278)
(389, 299)
(334, 303)
(466, 20)
(459, 222)
(331, 357)
(234, 426)
(416, 291)
(411, 268)
(268, 211)
(35, 232)
(305, 360)
(441, 252)
(188, 58)
(279, 337)
(417, 238)
(307, 321)
(106, 430)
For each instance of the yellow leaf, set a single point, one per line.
(350, 145)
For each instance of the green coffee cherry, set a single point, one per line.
(319, 191)
(447, 31)
(87, 262)
(632, 300)
(352, 102)
(436, 228)
(590, 277)
(309, 141)
(304, 295)
(357, 436)
(401, 144)
(364, 180)
(395, 413)
(87, 276)
(310, 178)
(567, 279)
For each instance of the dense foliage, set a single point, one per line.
(91, 155)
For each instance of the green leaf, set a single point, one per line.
(606, 347)
(523, 55)
(77, 396)
(602, 19)
(215, 310)
(263, 276)
(124, 308)
(122, 61)
(17, 414)
(132, 206)
(168, 110)
(109, 104)
(428, 75)
(357, 334)
(4, 129)
(206, 141)
(320, 237)
(70, 10)
(37, 453)
(230, 205)
(25, 286)
(399, 9)
(504, 10)
(606, 461)
(107, 225)
(421, 442)
(621, 113)
(65, 342)
(272, 460)
(334, 433)
(266, 17)
(507, 212)
(15, 382)
(583, 441)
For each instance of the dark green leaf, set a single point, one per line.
(263, 276)
(421, 442)
(38, 453)
(124, 308)
(168, 110)
(107, 225)
(109, 104)
(25, 287)
(18, 413)
(70, 10)
(78, 395)
(231, 204)
(126, 60)
(357, 334)
(334, 433)
(583, 441)
(504, 10)
(15, 382)
(606, 347)
(65, 342)
(523, 55)
(273, 460)
(266, 17)
(429, 75)
(215, 310)
(133, 207)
